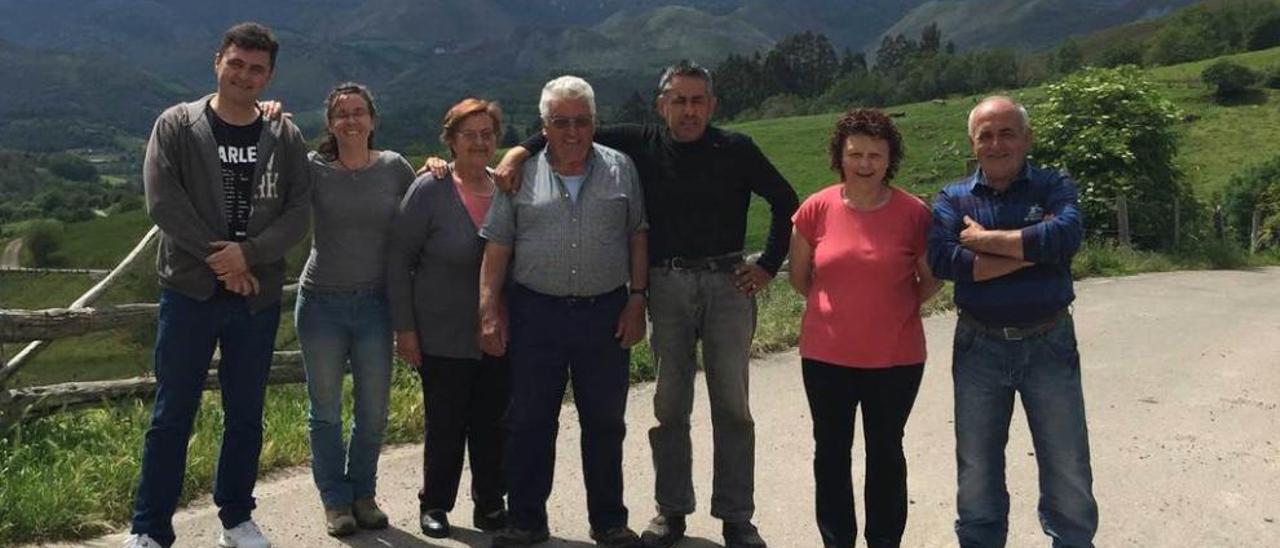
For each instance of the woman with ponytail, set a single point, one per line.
(342, 314)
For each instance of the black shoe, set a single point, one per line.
(618, 537)
(489, 521)
(742, 535)
(435, 523)
(513, 537)
(663, 531)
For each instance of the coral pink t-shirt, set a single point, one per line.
(862, 309)
(477, 204)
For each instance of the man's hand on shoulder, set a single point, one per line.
(507, 174)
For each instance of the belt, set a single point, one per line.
(722, 263)
(573, 300)
(1015, 333)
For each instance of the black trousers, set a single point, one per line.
(886, 396)
(464, 401)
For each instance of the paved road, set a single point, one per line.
(9, 259)
(1182, 380)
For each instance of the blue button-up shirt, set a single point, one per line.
(1027, 295)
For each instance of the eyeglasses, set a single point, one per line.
(562, 122)
(358, 113)
(473, 135)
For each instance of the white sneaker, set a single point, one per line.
(141, 541)
(245, 535)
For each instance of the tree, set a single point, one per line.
(1128, 52)
(805, 63)
(72, 167)
(930, 39)
(1192, 34)
(1257, 187)
(1115, 134)
(1265, 33)
(740, 84)
(635, 110)
(1068, 58)
(510, 136)
(1228, 78)
(894, 52)
(44, 239)
(853, 63)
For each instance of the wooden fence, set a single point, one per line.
(42, 327)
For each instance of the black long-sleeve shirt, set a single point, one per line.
(696, 194)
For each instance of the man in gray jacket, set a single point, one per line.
(229, 191)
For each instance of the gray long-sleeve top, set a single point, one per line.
(433, 269)
(182, 176)
(353, 215)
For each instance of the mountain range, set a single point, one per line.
(84, 67)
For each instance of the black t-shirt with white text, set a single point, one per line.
(238, 150)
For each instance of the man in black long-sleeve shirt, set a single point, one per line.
(698, 181)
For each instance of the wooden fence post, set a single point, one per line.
(1177, 222)
(1122, 221)
(1255, 230)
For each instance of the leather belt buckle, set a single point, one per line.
(1011, 333)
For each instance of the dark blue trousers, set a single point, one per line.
(187, 333)
(555, 340)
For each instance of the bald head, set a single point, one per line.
(997, 104)
(1000, 134)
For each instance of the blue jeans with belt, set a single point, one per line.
(187, 332)
(336, 329)
(554, 340)
(1044, 369)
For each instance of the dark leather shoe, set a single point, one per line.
(663, 531)
(742, 535)
(435, 523)
(491, 520)
(618, 537)
(513, 537)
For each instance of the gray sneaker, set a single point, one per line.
(141, 541)
(368, 515)
(339, 522)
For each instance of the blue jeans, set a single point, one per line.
(1045, 371)
(186, 334)
(686, 307)
(334, 329)
(553, 341)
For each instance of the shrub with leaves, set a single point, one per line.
(1228, 78)
(1256, 187)
(1114, 133)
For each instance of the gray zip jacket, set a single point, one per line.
(182, 175)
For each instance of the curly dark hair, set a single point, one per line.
(870, 122)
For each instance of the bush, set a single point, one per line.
(1229, 78)
(1271, 77)
(44, 239)
(1256, 187)
(1115, 134)
(1265, 33)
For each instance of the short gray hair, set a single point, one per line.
(565, 88)
(685, 68)
(1022, 111)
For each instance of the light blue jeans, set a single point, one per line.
(337, 328)
(1045, 371)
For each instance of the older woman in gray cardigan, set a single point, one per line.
(433, 284)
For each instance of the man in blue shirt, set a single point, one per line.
(1006, 236)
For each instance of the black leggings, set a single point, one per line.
(886, 396)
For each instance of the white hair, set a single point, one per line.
(1022, 111)
(566, 88)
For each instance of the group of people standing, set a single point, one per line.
(503, 287)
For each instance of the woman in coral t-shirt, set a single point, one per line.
(858, 257)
